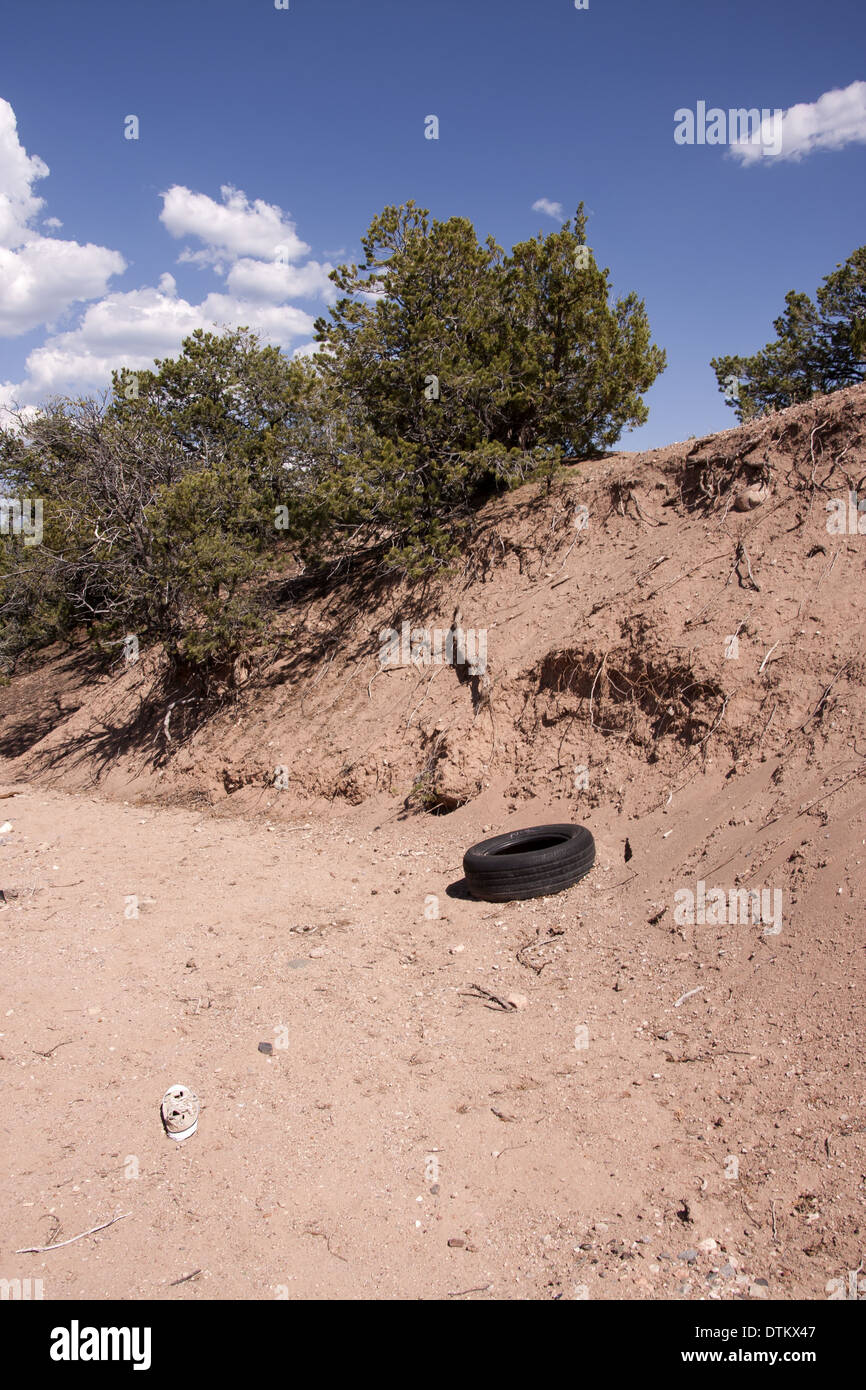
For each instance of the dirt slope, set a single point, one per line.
(585, 1143)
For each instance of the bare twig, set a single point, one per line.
(41, 1249)
(52, 1049)
(482, 993)
(592, 691)
(688, 994)
(767, 657)
(842, 669)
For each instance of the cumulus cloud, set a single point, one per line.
(40, 277)
(19, 171)
(549, 208)
(836, 119)
(132, 329)
(271, 280)
(44, 276)
(233, 228)
(253, 246)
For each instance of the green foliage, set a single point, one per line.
(459, 370)
(446, 371)
(818, 348)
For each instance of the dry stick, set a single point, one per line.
(767, 725)
(532, 946)
(721, 555)
(327, 1239)
(482, 993)
(592, 691)
(52, 1049)
(460, 1292)
(804, 809)
(767, 657)
(565, 561)
(424, 696)
(688, 994)
(822, 576)
(185, 1280)
(41, 1249)
(814, 466)
(743, 554)
(655, 564)
(826, 692)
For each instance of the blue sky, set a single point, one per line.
(264, 128)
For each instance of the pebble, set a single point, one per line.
(266, 1047)
(689, 1256)
(519, 1001)
(758, 1291)
(707, 1245)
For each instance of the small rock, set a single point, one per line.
(455, 950)
(728, 1271)
(317, 952)
(266, 1047)
(456, 1243)
(689, 1256)
(707, 1245)
(758, 1290)
(519, 1001)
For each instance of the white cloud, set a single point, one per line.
(236, 227)
(131, 329)
(274, 281)
(44, 276)
(549, 208)
(252, 245)
(836, 119)
(40, 277)
(18, 173)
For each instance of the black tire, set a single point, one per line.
(531, 863)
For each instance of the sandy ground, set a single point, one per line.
(676, 1110)
(405, 1139)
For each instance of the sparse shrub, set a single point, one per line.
(818, 349)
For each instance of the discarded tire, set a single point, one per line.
(529, 863)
